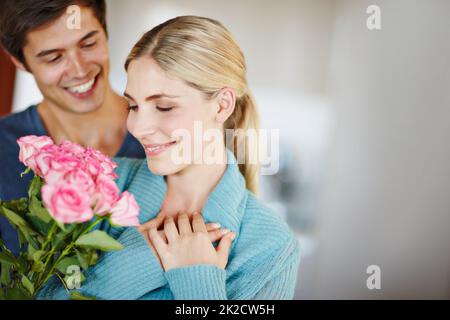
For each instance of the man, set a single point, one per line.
(70, 64)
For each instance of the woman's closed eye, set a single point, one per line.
(163, 109)
(132, 108)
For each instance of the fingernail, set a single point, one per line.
(225, 231)
(233, 236)
(215, 225)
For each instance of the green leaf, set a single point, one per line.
(38, 266)
(22, 264)
(38, 210)
(14, 218)
(78, 296)
(25, 235)
(28, 169)
(66, 263)
(22, 240)
(98, 240)
(28, 284)
(17, 294)
(35, 186)
(2, 294)
(19, 205)
(7, 258)
(38, 255)
(6, 274)
(34, 254)
(83, 259)
(59, 241)
(22, 225)
(39, 216)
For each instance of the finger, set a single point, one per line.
(217, 234)
(156, 240)
(184, 225)
(170, 229)
(223, 249)
(162, 235)
(212, 226)
(197, 223)
(155, 222)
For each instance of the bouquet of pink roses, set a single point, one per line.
(71, 193)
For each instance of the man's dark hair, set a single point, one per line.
(18, 17)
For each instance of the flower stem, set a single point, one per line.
(65, 252)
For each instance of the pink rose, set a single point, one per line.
(98, 163)
(81, 178)
(73, 148)
(30, 146)
(66, 202)
(126, 211)
(107, 194)
(52, 163)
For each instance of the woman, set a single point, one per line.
(184, 74)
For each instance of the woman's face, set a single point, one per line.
(164, 111)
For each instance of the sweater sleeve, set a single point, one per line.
(197, 282)
(207, 282)
(281, 287)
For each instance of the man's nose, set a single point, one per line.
(78, 67)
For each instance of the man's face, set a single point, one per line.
(70, 66)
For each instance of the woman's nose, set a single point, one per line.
(142, 126)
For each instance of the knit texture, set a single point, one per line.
(263, 261)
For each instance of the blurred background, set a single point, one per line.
(364, 130)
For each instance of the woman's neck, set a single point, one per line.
(188, 190)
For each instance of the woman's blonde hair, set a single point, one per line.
(203, 53)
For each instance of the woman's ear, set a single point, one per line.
(226, 100)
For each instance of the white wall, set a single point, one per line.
(386, 200)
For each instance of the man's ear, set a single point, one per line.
(226, 100)
(19, 65)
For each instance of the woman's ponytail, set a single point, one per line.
(245, 121)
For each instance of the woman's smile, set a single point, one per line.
(154, 149)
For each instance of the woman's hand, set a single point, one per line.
(215, 233)
(188, 244)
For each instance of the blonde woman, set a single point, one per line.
(185, 74)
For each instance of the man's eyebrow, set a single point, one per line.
(152, 97)
(90, 34)
(50, 51)
(46, 52)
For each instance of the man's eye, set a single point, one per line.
(55, 59)
(88, 45)
(164, 109)
(132, 108)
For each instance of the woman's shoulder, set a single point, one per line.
(266, 229)
(127, 169)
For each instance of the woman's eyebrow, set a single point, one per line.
(152, 97)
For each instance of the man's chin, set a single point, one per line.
(83, 108)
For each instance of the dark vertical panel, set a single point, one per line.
(7, 77)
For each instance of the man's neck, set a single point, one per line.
(103, 129)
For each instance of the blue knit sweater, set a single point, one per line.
(263, 261)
